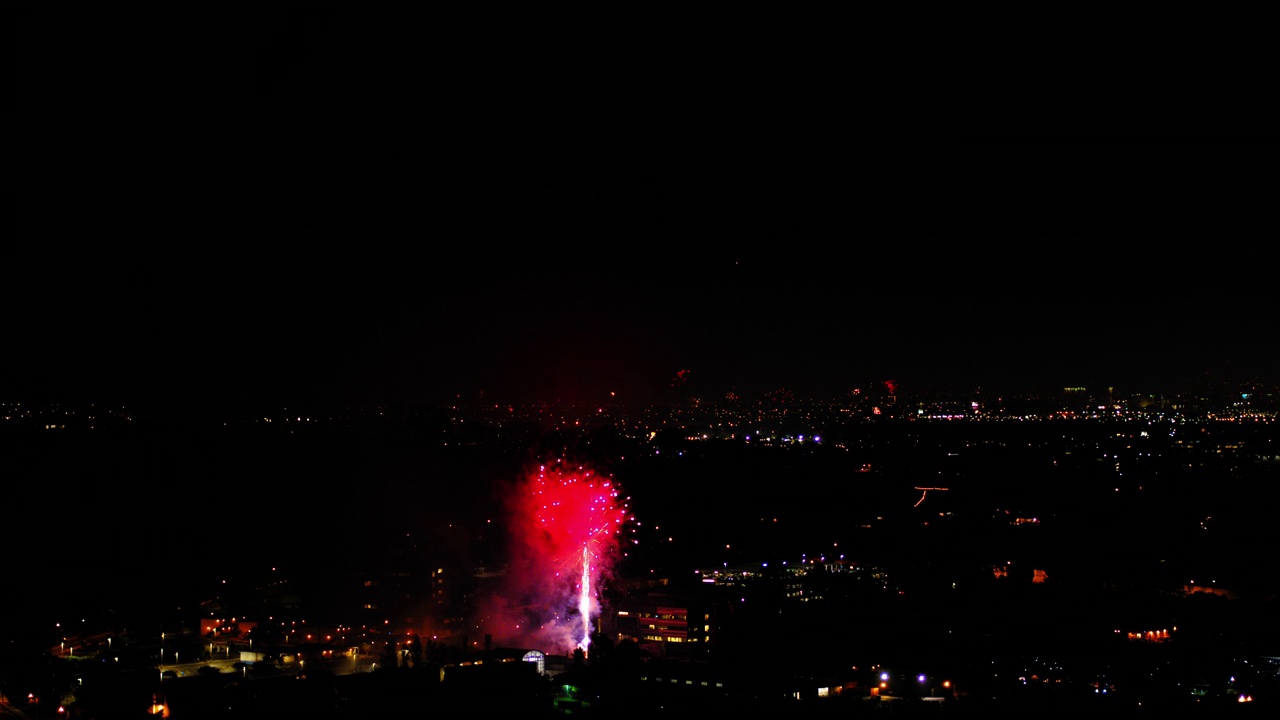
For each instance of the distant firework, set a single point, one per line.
(567, 528)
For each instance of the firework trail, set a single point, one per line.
(567, 526)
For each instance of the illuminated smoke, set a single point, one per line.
(566, 527)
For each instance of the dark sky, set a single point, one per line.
(401, 202)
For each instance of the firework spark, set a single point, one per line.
(566, 526)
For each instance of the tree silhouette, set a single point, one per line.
(415, 650)
(389, 658)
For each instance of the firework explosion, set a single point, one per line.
(566, 529)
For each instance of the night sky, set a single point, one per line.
(312, 203)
